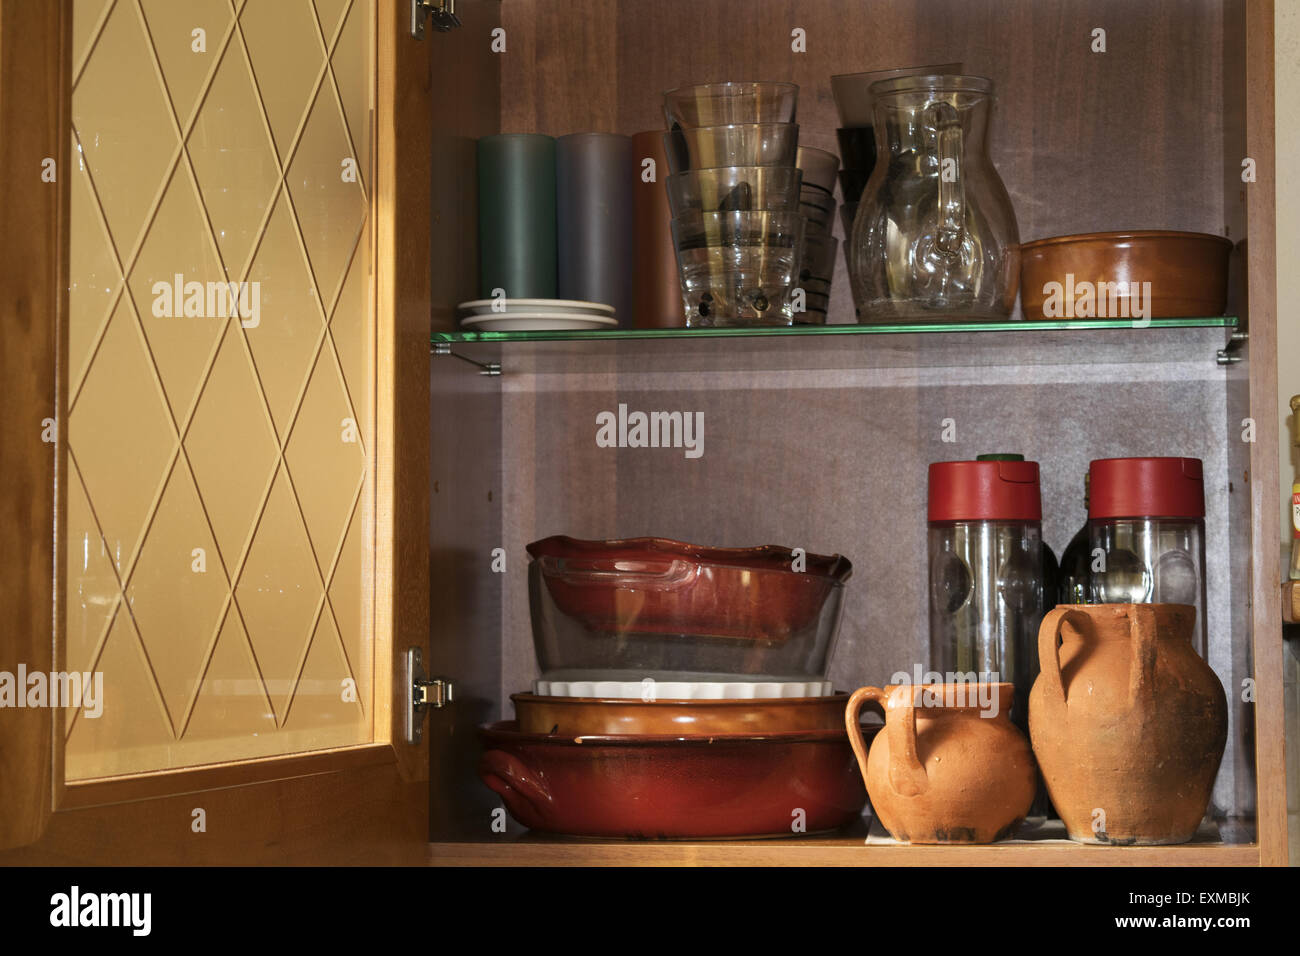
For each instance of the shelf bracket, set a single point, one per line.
(1230, 354)
(484, 368)
(442, 14)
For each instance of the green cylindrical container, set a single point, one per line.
(516, 215)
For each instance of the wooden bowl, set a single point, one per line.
(1092, 276)
(578, 716)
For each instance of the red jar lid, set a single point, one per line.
(1146, 488)
(985, 491)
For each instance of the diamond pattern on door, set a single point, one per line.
(329, 12)
(120, 437)
(177, 243)
(320, 697)
(286, 340)
(95, 279)
(346, 599)
(179, 559)
(350, 347)
(216, 526)
(324, 449)
(326, 196)
(93, 589)
(122, 120)
(232, 448)
(188, 38)
(131, 723)
(284, 44)
(233, 160)
(349, 73)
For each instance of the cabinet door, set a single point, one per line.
(238, 540)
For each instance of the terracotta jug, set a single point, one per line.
(1127, 722)
(950, 767)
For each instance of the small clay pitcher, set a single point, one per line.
(950, 767)
(1127, 722)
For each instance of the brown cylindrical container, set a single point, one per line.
(1097, 275)
(657, 291)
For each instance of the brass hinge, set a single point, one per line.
(426, 692)
(442, 14)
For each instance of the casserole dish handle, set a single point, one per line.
(523, 791)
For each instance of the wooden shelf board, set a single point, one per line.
(535, 850)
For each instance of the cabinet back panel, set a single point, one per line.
(836, 462)
(469, 108)
(1129, 138)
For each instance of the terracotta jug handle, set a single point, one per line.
(1049, 656)
(907, 775)
(852, 721)
(1142, 645)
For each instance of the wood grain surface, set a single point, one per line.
(35, 105)
(1266, 544)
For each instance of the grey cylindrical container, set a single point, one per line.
(516, 215)
(595, 221)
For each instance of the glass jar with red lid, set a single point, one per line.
(986, 572)
(1146, 525)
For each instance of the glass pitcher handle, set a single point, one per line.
(952, 200)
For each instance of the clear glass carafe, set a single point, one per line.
(935, 238)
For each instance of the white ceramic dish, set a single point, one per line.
(681, 690)
(537, 322)
(512, 306)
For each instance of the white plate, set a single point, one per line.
(681, 690)
(484, 306)
(536, 322)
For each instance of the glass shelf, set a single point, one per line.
(815, 331)
(918, 345)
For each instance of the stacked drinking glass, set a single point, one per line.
(734, 190)
(817, 204)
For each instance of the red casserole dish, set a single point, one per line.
(672, 788)
(658, 606)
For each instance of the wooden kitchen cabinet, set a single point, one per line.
(816, 438)
(822, 436)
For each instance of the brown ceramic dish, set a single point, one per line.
(660, 607)
(578, 716)
(1187, 272)
(671, 788)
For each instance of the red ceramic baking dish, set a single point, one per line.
(672, 788)
(659, 608)
(574, 716)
